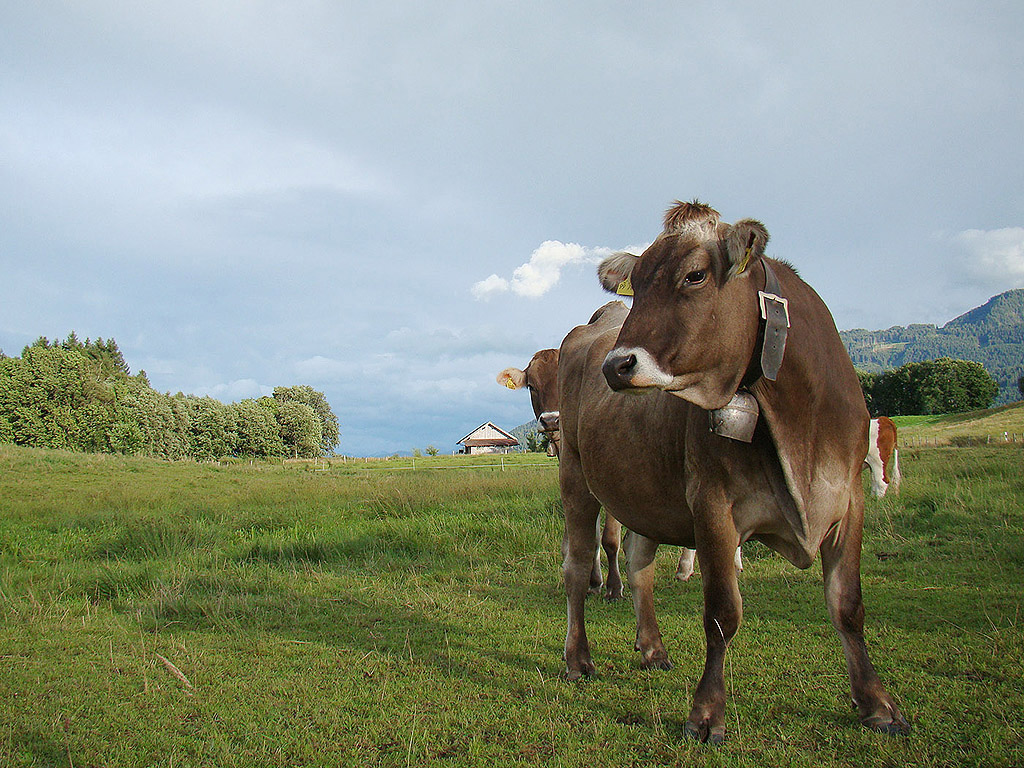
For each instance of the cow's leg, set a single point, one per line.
(723, 610)
(877, 467)
(840, 559)
(579, 547)
(611, 542)
(641, 552)
(596, 576)
(684, 570)
(896, 476)
(686, 560)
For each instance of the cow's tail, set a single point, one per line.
(896, 476)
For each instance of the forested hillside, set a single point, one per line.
(992, 335)
(82, 396)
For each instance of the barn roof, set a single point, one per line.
(479, 436)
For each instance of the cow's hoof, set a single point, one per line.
(704, 734)
(584, 670)
(680, 576)
(663, 664)
(653, 656)
(656, 659)
(886, 719)
(612, 595)
(894, 727)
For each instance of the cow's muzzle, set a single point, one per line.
(548, 421)
(619, 370)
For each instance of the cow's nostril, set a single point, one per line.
(618, 370)
(624, 365)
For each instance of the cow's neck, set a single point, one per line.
(739, 417)
(760, 391)
(772, 331)
(811, 414)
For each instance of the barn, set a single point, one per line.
(487, 438)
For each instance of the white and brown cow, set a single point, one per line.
(634, 416)
(882, 448)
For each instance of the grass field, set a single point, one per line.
(178, 614)
(981, 427)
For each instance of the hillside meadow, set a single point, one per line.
(181, 614)
(993, 425)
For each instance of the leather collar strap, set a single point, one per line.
(775, 319)
(738, 419)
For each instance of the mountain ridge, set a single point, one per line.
(992, 334)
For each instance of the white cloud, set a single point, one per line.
(542, 272)
(996, 256)
(484, 289)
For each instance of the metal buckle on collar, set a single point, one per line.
(764, 297)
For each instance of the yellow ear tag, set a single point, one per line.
(745, 262)
(625, 288)
(509, 383)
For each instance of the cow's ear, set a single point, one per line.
(615, 271)
(745, 243)
(512, 378)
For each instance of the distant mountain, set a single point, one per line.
(992, 335)
(523, 431)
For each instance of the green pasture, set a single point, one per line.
(992, 425)
(372, 614)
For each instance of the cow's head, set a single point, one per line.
(693, 325)
(541, 378)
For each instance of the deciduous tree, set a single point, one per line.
(935, 386)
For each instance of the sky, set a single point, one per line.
(393, 203)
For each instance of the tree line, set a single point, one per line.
(930, 387)
(82, 396)
(992, 335)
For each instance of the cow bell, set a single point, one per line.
(737, 419)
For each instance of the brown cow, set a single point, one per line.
(693, 338)
(541, 378)
(881, 448)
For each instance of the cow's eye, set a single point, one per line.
(696, 277)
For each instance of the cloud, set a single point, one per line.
(484, 289)
(542, 272)
(996, 256)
